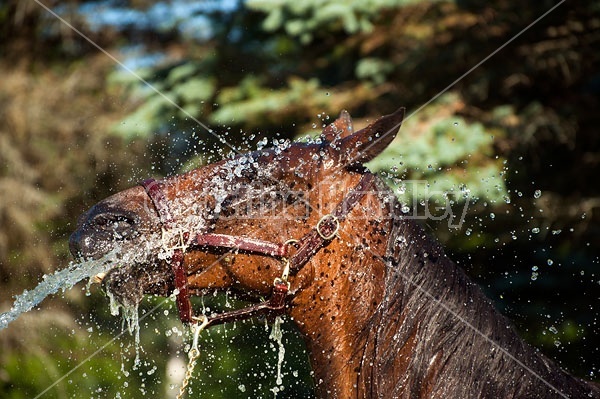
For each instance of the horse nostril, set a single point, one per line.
(82, 245)
(74, 245)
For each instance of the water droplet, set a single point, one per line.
(534, 276)
(553, 330)
(534, 268)
(262, 143)
(455, 123)
(550, 262)
(537, 194)
(492, 215)
(535, 230)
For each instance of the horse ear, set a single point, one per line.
(369, 142)
(341, 127)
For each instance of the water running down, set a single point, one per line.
(277, 335)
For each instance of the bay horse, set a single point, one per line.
(383, 311)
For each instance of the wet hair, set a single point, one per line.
(435, 334)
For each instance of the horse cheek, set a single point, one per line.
(214, 279)
(206, 273)
(253, 273)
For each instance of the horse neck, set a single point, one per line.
(388, 314)
(335, 312)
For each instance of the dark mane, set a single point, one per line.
(459, 343)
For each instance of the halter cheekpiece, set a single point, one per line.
(306, 247)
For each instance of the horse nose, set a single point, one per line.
(85, 245)
(82, 245)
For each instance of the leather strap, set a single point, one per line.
(154, 190)
(241, 243)
(312, 242)
(275, 305)
(181, 282)
(157, 195)
(307, 247)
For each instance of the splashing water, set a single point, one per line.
(276, 335)
(61, 280)
(131, 319)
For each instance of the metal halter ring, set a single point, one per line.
(334, 232)
(286, 270)
(286, 261)
(287, 243)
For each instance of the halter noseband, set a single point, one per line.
(306, 247)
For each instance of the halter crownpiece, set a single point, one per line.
(306, 247)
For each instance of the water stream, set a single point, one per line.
(63, 279)
(277, 335)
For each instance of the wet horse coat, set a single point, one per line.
(384, 312)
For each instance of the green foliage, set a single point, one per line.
(447, 154)
(183, 85)
(252, 104)
(303, 18)
(374, 69)
(62, 360)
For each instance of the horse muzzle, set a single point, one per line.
(82, 246)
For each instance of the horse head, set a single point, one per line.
(272, 195)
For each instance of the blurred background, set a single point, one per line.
(518, 138)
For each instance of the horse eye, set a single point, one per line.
(110, 221)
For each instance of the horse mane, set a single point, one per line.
(436, 332)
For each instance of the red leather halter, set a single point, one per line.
(306, 247)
